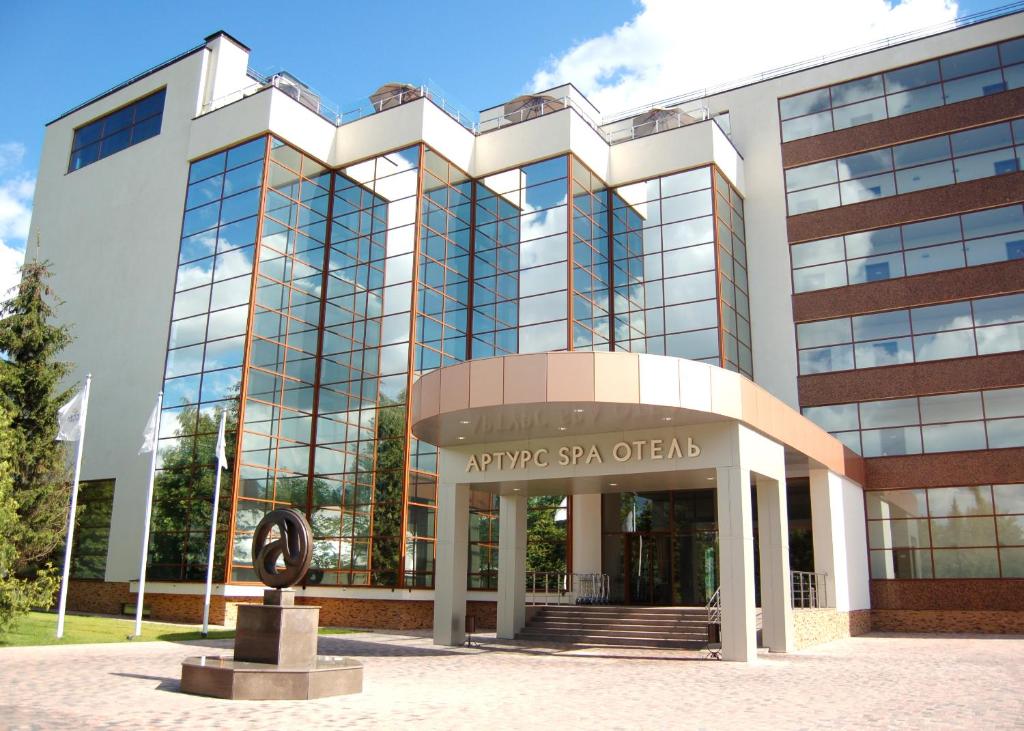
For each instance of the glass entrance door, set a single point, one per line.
(648, 568)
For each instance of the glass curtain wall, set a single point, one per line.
(393, 266)
(680, 269)
(203, 371)
(274, 467)
(361, 444)
(732, 276)
(591, 319)
(520, 300)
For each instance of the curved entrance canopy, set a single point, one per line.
(591, 423)
(545, 395)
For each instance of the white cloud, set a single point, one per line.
(673, 47)
(16, 189)
(10, 262)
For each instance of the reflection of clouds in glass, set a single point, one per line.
(839, 417)
(220, 384)
(542, 338)
(224, 353)
(396, 187)
(545, 307)
(536, 224)
(542, 251)
(542, 279)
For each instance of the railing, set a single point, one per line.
(714, 607)
(312, 101)
(963, 21)
(538, 109)
(809, 590)
(558, 587)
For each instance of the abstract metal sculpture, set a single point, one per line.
(294, 545)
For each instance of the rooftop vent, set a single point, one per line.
(393, 95)
(297, 90)
(531, 105)
(660, 119)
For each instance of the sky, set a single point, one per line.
(621, 53)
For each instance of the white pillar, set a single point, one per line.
(829, 536)
(511, 565)
(451, 557)
(586, 534)
(773, 544)
(736, 561)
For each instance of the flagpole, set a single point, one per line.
(145, 526)
(71, 515)
(213, 526)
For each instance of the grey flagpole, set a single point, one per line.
(213, 526)
(149, 513)
(71, 515)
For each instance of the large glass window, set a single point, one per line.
(666, 283)
(206, 348)
(114, 132)
(954, 242)
(946, 532)
(947, 80)
(983, 152)
(943, 423)
(92, 530)
(936, 332)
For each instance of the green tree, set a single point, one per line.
(17, 595)
(183, 495)
(30, 378)
(545, 537)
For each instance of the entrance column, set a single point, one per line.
(827, 531)
(773, 544)
(451, 557)
(511, 565)
(840, 539)
(736, 560)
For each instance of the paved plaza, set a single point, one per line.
(876, 681)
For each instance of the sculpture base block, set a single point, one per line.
(225, 677)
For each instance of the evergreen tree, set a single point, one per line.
(16, 595)
(30, 378)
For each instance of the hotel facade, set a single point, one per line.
(758, 347)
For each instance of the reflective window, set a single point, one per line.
(992, 419)
(114, 132)
(953, 242)
(92, 531)
(950, 79)
(919, 334)
(942, 160)
(946, 532)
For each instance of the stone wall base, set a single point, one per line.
(102, 597)
(815, 626)
(948, 621)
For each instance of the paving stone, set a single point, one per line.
(868, 682)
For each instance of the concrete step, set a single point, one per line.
(681, 643)
(653, 627)
(616, 632)
(609, 624)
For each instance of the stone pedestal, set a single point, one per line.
(275, 658)
(278, 635)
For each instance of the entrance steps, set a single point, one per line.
(643, 627)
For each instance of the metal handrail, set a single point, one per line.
(559, 587)
(714, 607)
(809, 590)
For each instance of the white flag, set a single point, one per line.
(152, 433)
(70, 417)
(222, 457)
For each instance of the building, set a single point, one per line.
(809, 285)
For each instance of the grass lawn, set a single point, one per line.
(39, 628)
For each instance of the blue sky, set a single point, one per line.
(621, 53)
